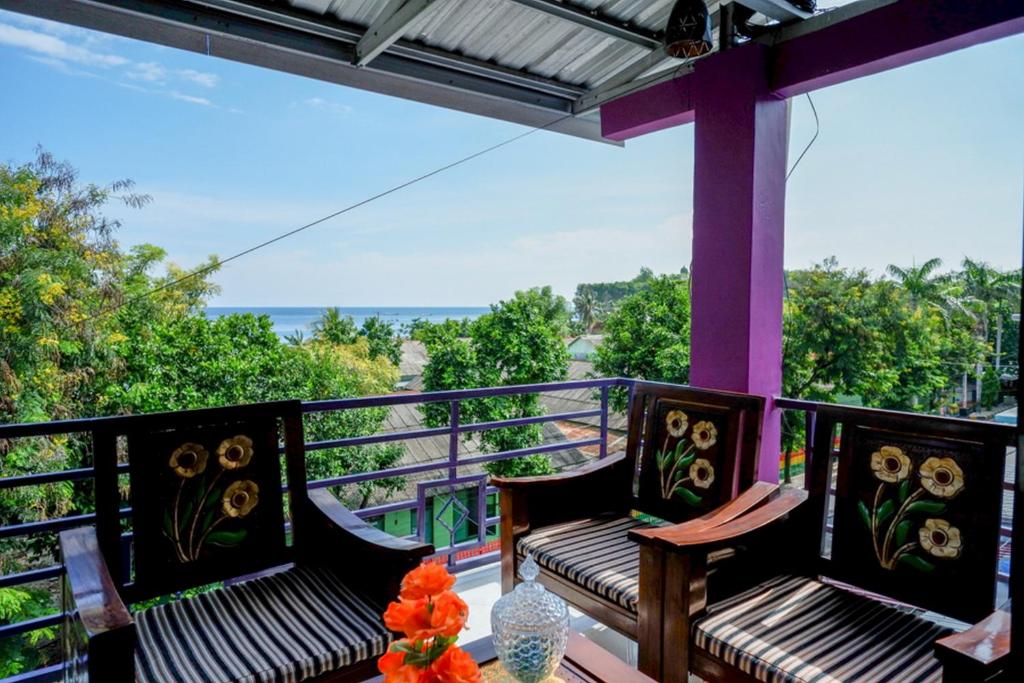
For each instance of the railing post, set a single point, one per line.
(453, 469)
(453, 441)
(604, 421)
(810, 421)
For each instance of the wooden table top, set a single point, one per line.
(584, 662)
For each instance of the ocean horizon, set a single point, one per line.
(288, 320)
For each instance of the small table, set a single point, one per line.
(584, 662)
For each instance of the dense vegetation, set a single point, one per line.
(87, 328)
(519, 342)
(905, 341)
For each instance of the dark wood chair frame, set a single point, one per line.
(785, 535)
(324, 532)
(607, 486)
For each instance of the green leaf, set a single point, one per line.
(902, 529)
(885, 511)
(211, 510)
(917, 563)
(687, 461)
(186, 512)
(226, 538)
(168, 524)
(864, 514)
(660, 458)
(691, 498)
(927, 507)
(904, 490)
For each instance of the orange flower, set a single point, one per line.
(392, 665)
(410, 617)
(448, 615)
(456, 666)
(425, 581)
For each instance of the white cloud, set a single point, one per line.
(147, 71)
(191, 99)
(56, 48)
(154, 72)
(202, 78)
(328, 106)
(45, 43)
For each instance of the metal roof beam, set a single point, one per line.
(595, 21)
(320, 50)
(389, 26)
(779, 10)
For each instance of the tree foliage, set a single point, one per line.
(336, 328)
(518, 342)
(648, 336)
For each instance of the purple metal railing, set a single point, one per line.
(449, 466)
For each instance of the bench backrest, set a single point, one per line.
(917, 506)
(691, 449)
(205, 494)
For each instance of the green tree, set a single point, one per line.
(920, 283)
(586, 307)
(382, 339)
(335, 327)
(518, 342)
(648, 336)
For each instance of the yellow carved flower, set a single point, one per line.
(188, 460)
(704, 435)
(940, 539)
(890, 464)
(702, 473)
(942, 477)
(235, 453)
(676, 422)
(240, 498)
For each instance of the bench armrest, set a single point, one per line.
(704, 538)
(99, 626)
(95, 596)
(752, 498)
(978, 653)
(350, 529)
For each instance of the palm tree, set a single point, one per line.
(586, 306)
(989, 291)
(919, 282)
(334, 327)
(926, 289)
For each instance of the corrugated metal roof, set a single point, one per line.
(520, 37)
(543, 63)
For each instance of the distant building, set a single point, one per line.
(584, 347)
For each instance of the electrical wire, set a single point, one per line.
(363, 202)
(817, 131)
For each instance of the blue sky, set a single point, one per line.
(920, 162)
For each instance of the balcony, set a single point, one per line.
(440, 491)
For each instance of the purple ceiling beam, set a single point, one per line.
(887, 38)
(891, 36)
(661, 106)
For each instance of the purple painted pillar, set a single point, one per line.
(738, 219)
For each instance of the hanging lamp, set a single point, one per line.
(688, 31)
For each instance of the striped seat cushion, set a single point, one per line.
(798, 629)
(285, 627)
(594, 553)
